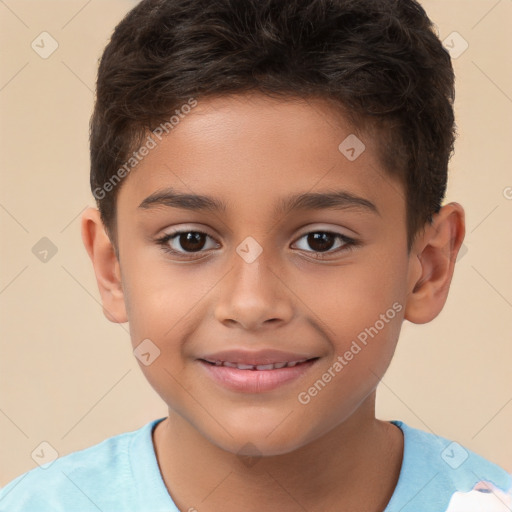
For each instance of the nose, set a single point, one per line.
(254, 296)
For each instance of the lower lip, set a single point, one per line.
(255, 381)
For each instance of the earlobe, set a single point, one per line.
(106, 265)
(432, 263)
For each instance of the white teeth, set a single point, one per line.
(263, 367)
(242, 366)
(245, 366)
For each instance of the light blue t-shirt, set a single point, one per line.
(121, 474)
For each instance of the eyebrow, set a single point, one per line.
(338, 199)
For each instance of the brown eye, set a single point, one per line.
(321, 241)
(191, 241)
(183, 243)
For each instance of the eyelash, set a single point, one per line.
(349, 243)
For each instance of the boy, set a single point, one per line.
(303, 147)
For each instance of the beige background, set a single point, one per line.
(68, 376)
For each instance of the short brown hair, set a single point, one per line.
(379, 60)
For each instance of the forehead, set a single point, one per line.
(251, 150)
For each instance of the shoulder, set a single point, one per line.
(81, 481)
(459, 464)
(436, 470)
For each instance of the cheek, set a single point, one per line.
(360, 308)
(159, 296)
(349, 298)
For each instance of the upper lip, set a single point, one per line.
(267, 356)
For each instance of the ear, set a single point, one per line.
(106, 265)
(432, 262)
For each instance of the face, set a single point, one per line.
(320, 279)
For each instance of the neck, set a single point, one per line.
(355, 466)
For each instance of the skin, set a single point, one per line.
(250, 151)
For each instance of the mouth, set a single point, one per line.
(261, 367)
(256, 378)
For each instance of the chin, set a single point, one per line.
(261, 446)
(263, 438)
